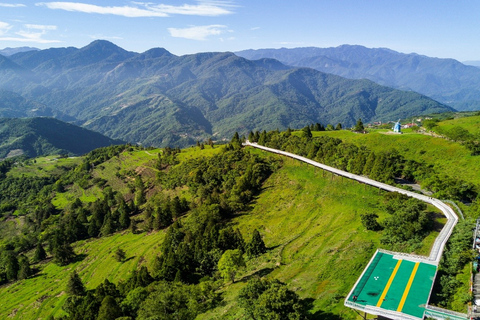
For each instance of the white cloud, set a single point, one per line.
(126, 11)
(4, 27)
(198, 32)
(31, 33)
(31, 39)
(203, 8)
(11, 5)
(254, 28)
(40, 27)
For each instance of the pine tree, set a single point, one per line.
(256, 246)
(140, 191)
(63, 254)
(107, 227)
(75, 286)
(359, 126)
(10, 264)
(307, 132)
(124, 219)
(24, 268)
(109, 309)
(251, 137)
(39, 254)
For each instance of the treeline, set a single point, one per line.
(383, 166)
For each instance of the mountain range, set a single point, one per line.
(157, 98)
(445, 80)
(43, 136)
(9, 51)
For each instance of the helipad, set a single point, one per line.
(394, 286)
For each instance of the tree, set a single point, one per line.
(75, 286)
(256, 246)
(24, 268)
(120, 255)
(270, 299)
(307, 133)
(10, 264)
(39, 254)
(63, 254)
(338, 127)
(109, 309)
(359, 126)
(369, 221)
(139, 191)
(229, 263)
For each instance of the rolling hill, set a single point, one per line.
(44, 136)
(157, 98)
(445, 80)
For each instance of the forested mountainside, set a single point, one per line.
(160, 99)
(223, 230)
(13, 105)
(445, 80)
(33, 137)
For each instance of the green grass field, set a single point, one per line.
(43, 295)
(44, 166)
(446, 156)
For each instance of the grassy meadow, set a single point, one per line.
(446, 156)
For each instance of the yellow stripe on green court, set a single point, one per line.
(395, 285)
(389, 283)
(407, 289)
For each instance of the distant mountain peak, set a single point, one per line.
(155, 53)
(11, 51)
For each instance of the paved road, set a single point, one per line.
(440, 241)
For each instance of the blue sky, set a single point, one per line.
(444, 29)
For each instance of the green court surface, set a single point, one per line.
(397, 285)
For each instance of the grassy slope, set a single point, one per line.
(43, 294)
(472, 123)
(44, 166)
(317, 244)
(447, 156)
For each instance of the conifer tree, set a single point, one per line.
(359, 126)
(10, 264)
(251, 137)
(75, 285)
(63, 254)
(24, 268)
(40, 253)
(256, 246)
(124, 219)
(307, 132)
(109, 309)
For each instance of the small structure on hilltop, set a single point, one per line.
(397, 128)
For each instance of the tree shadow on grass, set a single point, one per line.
(320, 314)
(129, 258)
(259, 273)
(80, 257)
